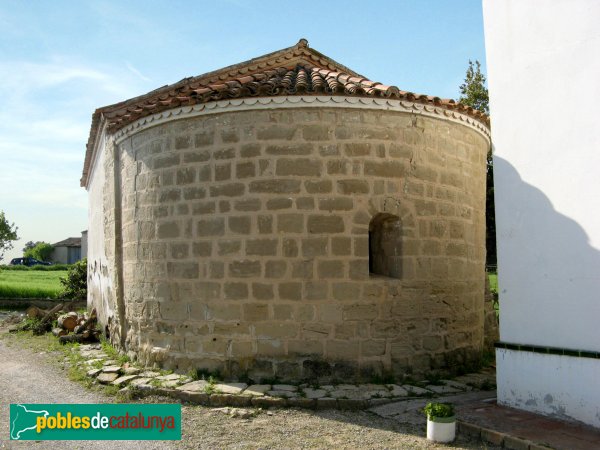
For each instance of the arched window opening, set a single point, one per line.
(385, 244)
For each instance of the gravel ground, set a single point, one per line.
(28, 377)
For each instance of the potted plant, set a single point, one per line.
(441, 422)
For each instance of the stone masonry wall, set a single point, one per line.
(244, 243)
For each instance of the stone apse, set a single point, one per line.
(288, 218)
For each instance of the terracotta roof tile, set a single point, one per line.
(296, 70)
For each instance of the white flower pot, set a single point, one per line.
(441, 429)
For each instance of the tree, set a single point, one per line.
(29, 245)
(8, 233)
(474, 93)
(41, 251)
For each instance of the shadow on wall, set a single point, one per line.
(548, 273)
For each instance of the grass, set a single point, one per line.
(30, 283)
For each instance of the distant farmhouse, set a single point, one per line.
(70, 250)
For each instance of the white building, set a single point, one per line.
(543, 62)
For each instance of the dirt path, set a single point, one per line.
(27, 377)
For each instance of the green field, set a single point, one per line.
(30, 283)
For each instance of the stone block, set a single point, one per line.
(250, 150)
(275, 269)
(162, 162)
(235, 291)
(370, 348)
(352, 187)
(222, 311)
(168, 230)
(210, 227)
(226, 153)
(345, 350)
(204, 138)
(222, 172)
(289, 149)
(207, 290)
(261, 247)
(360, 311)
(245, 269)
(274, 330)
(316, 132)
(195, 157)
(318, 186)
(201, 248)
(290, 223)
(330, 269)
(277, 186)
(239, 224)
(189, 270)
(174, 311)
(245, 170)
(228, 190)
(248, 204)
(270, 348)
(289, 248)
(290, 291)
(345, 291)
(357, 149)
(305, 348)
(262, 291)
(279, 203)
(336, 204)
(299, 167)
(278, 132)
(230, 247)
(305, 203)
(186, 176)
(387, 169)
(338, 167)
(318, 224)
(255, 312)
(201, 208)
(265, 224)
(282, 312)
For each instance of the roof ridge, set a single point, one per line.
(288, 54)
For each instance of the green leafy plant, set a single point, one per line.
(435, 410)
(75, 284)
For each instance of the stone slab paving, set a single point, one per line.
(107, 378)
(341, 396)
(230, 388)
(257, 390)
(194, 386)
(111, 369)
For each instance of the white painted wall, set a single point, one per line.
(99, 284)
(543, 61)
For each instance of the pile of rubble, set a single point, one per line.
(70, 326)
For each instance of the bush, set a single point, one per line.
(75, 284)
(440, 410)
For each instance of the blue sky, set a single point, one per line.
(61, 60)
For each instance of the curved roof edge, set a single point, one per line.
(297, 70)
